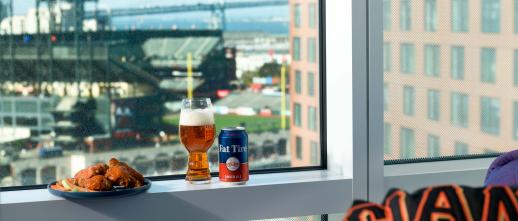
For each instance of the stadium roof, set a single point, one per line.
(172, 51)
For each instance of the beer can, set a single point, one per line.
(233, 155)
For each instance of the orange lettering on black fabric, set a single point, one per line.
(434, 200)
(499, 204)
(397, 206)
(366, 212)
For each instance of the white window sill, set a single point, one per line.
(413, 176)
(265, 196)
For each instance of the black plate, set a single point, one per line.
(90, 195)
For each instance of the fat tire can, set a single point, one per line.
(233, 155)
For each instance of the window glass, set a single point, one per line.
(430, 15)
(387, 138)
(433, 105)
(386, 97)
(433, 146)
(459, 109)
(432, 60)
(515, 117)
(408, 100)
(460, 15)
(387, 15)
(387, 57)
(311, 84)
(312, 48)
(457, 62)
(298, 82)
(312, 15)
(407, 141)
(296, 15)
(312, 118)
(405, 16)
(490, 115)
(461, 148)
(298, 144)
(296, 48)
(117, 90)
(407, 58)
(297, 112)
(491, 16)
(488, 65)
(515, 68)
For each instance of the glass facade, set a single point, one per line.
(387, 15)
(312, 118)
(461, 148)
(312, 50)
(459, 109)
(408, 100)
(298, 147)
(312, 13)
(407, 59)
(460, 15)
(296, 49)
(315, 153)
(488, 65)
(434, 103)
(387, 138)
(386, 97)
(297, 114)
(432, 60)
(491, 16)
(457, 63)
(298, 82)
(311, 84)
(296, 15)
(490, 115)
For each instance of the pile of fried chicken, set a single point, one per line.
(102, 177)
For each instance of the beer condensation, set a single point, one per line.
(197, 133)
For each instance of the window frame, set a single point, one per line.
(320, 53)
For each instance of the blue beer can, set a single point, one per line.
(233, 155)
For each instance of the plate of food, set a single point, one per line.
(101, 180)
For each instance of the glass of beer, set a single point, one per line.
(197, 133)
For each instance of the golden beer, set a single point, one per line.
(197, 140)
(197, 133)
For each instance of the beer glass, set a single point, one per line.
(197, 133)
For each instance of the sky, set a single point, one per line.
(21, 6)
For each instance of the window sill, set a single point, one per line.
(413, 176)
(265, 196)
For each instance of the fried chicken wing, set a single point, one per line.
(97, 183)
(123, 175)
(84, 175)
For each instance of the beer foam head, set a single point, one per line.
(196, 117)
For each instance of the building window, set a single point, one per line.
(433, 146)
(387, 57)
(488, 65)
(296, 15)
(298, 82)
(315, 153)
(312, 48)
(432, 62)
(408, 100)
(491, 16)
(515, 127)
(515, 78)
(459, 109)
(405, 16)
(430, 16)
(312, 13)
(461, 148)
(407, 60)
(387, 15)
(297, 112)
(490, 115)
(296, 48)
(407, 143)
(457, 62)
(298, 146)
(460, 15)
(311, 84)
(386, 97)
(312, 118)
(387, 138)
(433, 105)
(515, 16)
